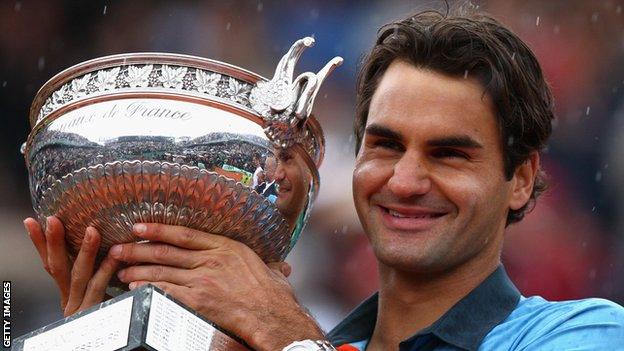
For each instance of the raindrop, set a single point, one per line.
(592, 274)
(594, 209)
(587, 110)
(260, 7)
(537, 21)
(325, 96)
(343, 230)
(4, 83)
(618, 9)
(606, 166)
(510, 140)
(228, 26)
(41, 63)
(314, 14)
(594, 17)
(18, 6)
(556, 29)
(598, 177)
(584, 244)
(104, 12)
(513, 56)
(465, 74)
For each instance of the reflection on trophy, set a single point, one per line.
(174, 139)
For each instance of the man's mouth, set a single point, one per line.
(412, 213)
(410, 218)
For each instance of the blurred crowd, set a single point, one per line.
(570, 246)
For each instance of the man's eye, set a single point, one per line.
(285, 156)
(449, 153)
(388, 144)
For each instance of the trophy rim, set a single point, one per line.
(162, 58)
(134, 58)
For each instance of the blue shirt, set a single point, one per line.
(494, 316)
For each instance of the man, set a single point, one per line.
(452, 112)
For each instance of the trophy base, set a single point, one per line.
(143, 319)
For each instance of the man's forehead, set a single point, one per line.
(405, 80)
(409, 97)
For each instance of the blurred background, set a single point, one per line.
(569, 247)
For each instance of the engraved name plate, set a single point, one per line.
(142, 319)
(101, 330)
(171, 328)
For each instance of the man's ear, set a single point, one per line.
(523, 181)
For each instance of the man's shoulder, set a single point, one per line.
(573, 311)
(594, 323)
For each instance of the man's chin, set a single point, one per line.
(410, 255)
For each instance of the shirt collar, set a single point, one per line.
(464, 325)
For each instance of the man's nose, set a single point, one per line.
(279, 173)
(410, 177)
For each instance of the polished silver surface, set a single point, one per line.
(180, 140)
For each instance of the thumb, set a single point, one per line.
(281, 267)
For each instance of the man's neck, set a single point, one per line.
(410, 302)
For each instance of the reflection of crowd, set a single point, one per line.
(60, 153)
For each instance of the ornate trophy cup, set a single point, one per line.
(176, 139)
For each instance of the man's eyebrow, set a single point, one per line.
(382, 132)
(460, 141)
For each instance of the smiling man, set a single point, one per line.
(452, 113)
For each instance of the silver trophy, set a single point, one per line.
(176, 139)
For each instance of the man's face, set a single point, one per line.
(294, 180)
(428, 184)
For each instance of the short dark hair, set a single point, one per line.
(470, 45)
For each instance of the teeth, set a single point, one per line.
(394, 213)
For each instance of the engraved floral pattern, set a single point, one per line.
(206, 82)
(106, 79)
(79, 86)
(172, 77)
(59, 95)
(147, 77)
(238, 91)
(139, 76)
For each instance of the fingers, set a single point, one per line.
(282, 267)
(181, 293)
(58, 261)
(180, 236)
(82, 270)
(154, 253)
(96, 288)
(156, 273)
(37, 237)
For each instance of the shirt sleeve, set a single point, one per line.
(594, 324)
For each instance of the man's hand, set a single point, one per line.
(80, 288)
(222, 279)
